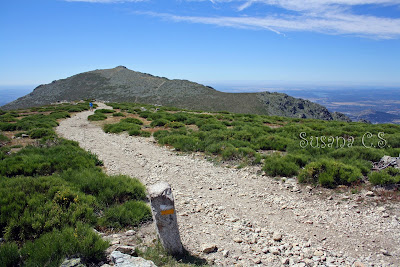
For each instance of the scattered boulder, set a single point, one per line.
(277, 236)
(369, 194)
(75, 262)
(209, 248)
(123, 260)
(129, 250)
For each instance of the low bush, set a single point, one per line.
(97, 117)
(137, 132)
(118, 114)
(271, 142)
(5, 126)
(4, 138)
(41, 132)
(59, 115)
(102, 111)
(132, 120)
(159, 122)
(121, 127)
(9, 254)
(36, 121)
(52, 248)
(181, 142)
(131, 213)
(46, 160)
(277, 165)
(329, 173)
(385, 177)
(175, 125)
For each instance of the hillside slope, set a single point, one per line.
(123, 85)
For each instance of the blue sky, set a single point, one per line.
(264, 42)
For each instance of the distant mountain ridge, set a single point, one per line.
(377, 116)
(123, 85)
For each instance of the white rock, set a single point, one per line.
(369, 194)
(277, 236)
(209, 248)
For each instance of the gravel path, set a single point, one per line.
(251, 218)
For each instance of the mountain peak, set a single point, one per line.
(123, 85)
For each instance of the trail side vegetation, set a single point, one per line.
(53, 193)
(318, 152)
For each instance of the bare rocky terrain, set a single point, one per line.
(252, 218)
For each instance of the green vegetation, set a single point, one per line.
(53, 193)
(97, 117)
(385, 177)
(329, 153)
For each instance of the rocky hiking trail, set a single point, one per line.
(251, 218)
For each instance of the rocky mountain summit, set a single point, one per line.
(123, 85)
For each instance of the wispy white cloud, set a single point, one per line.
(365, 26)
(324, 16)
(106, 1)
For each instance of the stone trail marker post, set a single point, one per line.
(163, 210)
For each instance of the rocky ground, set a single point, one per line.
(251, 218)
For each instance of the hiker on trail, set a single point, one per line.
(91, 106)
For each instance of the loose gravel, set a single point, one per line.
(251, 218)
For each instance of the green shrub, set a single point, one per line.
(181, 142)
(9, 254)
(51, 248)
(5, 126)
(385, 177)
(230, 153)
(4, 138)
(107, 189)
(159, 123)
(97, 117)
(131, 213)
(271, 142)
(120, 127)
(175, 125)
(277, 165)
(41, 132)
(118, 114)
(47, 160)
(36, 121)
(329, 173)
(39, 205)
(212, 126)
(137, 132)
(102, 111)
(160, 134)
(132, 120)
(59, 115)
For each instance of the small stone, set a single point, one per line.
(358, 264)
(225, 253)
(115, 242)
(130, 233)
(209, 248)
(274, 250)
(277, 236)
(381, 209)
(385, 215)
(369, 194)
(237, 240)
(385, 252)
(318, 253)
(127, 250)
(285, 261)
(257, 260)
(76, 262)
